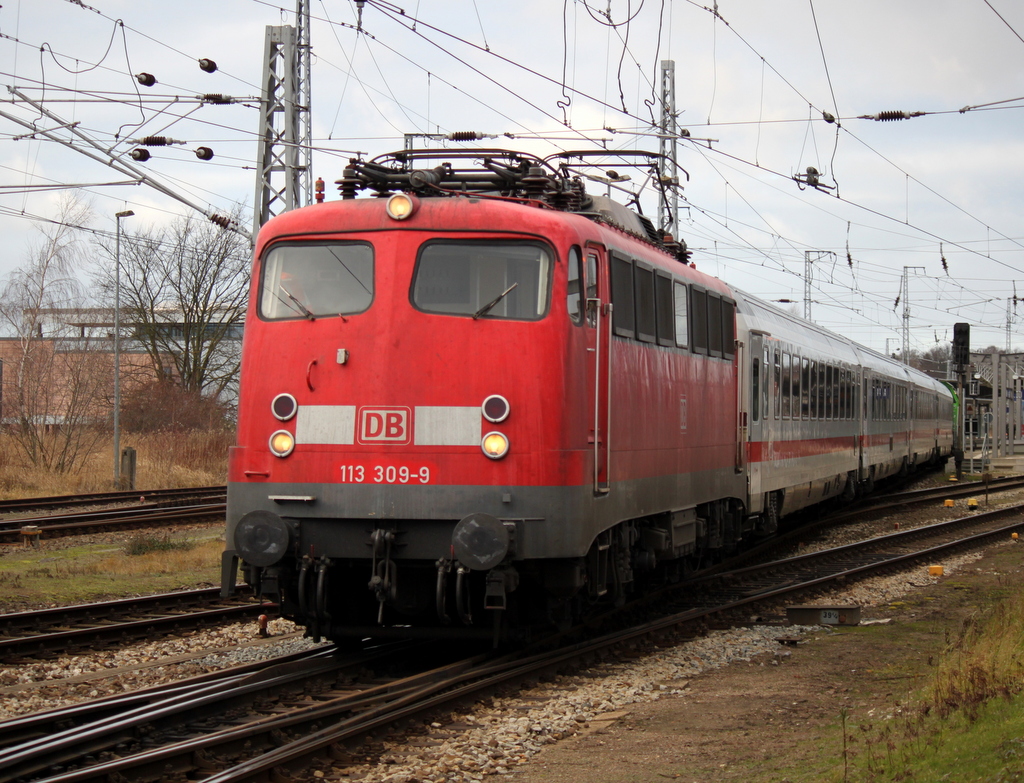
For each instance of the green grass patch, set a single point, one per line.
(38, 577)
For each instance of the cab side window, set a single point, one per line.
(574, 290)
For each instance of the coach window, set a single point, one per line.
(574, 293)
(815, 392)
(829, 412)
(766, 383)
(646, 326)
(316, 280)
(805, 390)
(822, 409)
(623, 318)
(755, 390)
(682, 324)
(796, 387)
(665, 308)
(699, 319)
(778, 385)
(787, 386)
(492, 279)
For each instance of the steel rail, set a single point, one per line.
(122, 632)
(39, 620)
(118, 519)
(124, 496)
(15, 731)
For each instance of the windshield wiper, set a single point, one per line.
(487, 307)
(302, 308)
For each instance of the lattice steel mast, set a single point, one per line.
(284, 160)
(668, 193)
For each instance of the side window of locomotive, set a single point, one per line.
(493, 279)
(699, 319)
(316, 280)
(728, 328)
(714, 324)
(623, 317)
(592, 291)
(644, 289)
(574, 294)
(665, 308)
(682, 324)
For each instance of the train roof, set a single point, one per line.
(764, 316)
(557, 181)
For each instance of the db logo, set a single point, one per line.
(384, 425)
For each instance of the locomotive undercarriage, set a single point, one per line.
(481, 589)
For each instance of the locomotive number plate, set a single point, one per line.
(377, 473)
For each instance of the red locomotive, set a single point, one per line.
(485, 399)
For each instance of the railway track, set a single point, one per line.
(843, 563)
(58, 630)
(165, 496)
(180, 736)
(818, 521)
(24, 529)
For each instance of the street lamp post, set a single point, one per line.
(117, 348)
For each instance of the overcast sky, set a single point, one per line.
(752, 85)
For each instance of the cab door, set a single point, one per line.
(598, 325)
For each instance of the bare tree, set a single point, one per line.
(183, 292)
(55, 385)
(935, 361)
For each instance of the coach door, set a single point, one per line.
(599, 330)
(756, 414)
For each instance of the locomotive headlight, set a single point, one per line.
(284, 407)
(401, 206)
(281, 443)
(494, 445)
(495, 408)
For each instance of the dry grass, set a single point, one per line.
(966, 719)
(164, 460)
(195, 557)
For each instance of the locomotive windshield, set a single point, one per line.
(312, 281)
(483, 279)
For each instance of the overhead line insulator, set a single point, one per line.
(891, 116)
